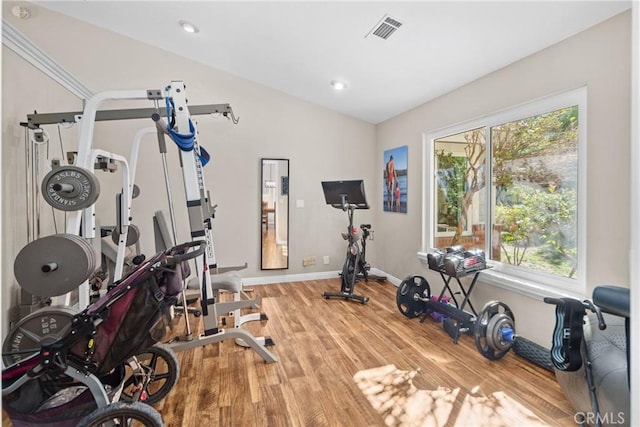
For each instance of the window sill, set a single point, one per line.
(521, 285)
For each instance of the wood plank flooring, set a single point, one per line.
(321, 344)
(407, 373)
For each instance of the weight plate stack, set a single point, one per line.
(55, 265)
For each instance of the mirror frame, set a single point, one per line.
(280, 184)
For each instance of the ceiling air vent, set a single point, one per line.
(385, 27)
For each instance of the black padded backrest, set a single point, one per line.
(612, 299)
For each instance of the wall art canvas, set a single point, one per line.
(394, 193)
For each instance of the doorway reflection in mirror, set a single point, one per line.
(274, 214)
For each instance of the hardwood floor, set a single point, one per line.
(273, 255)
(342, 363)
(322, 344)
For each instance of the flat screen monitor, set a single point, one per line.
(351, 192)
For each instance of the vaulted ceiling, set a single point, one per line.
(300, 47)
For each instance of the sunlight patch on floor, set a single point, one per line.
(401, 404)
(497, 409)
(391, 392)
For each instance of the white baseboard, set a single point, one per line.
(299, 277)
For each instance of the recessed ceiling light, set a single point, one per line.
(21, 12)
(337, 85)
(188, 27)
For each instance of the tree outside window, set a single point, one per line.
(532, 203)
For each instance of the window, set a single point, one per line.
(459, 189)
(510, 184)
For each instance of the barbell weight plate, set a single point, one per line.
(133, 235)
(410, 295)
(43, 326)
(54, 265)
(494, 317)
(496, 325)
(70, 188)
(89, 250)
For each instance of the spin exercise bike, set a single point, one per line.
(367, 234)
(348, 196)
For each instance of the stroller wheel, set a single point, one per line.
(132, 414)
(160, 363)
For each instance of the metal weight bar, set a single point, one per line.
(70, 188)
(37, 119)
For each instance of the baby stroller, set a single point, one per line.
(78, 380)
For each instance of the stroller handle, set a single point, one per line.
(173, 260)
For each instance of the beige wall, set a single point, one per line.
(320, 144)
(598, 58)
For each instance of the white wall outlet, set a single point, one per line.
(325, 259)
(299, 203)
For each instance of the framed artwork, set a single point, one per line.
(394, 192)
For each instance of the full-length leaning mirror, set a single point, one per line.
(274, 214)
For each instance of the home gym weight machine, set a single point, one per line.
(348, 196)
(83, 190)
(493, 329)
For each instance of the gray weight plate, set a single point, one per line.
(54, 265)
(89, 249)
(70, 188)
(133, 235)
(44, 326)
(494, 316)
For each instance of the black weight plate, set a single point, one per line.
(409, 294)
